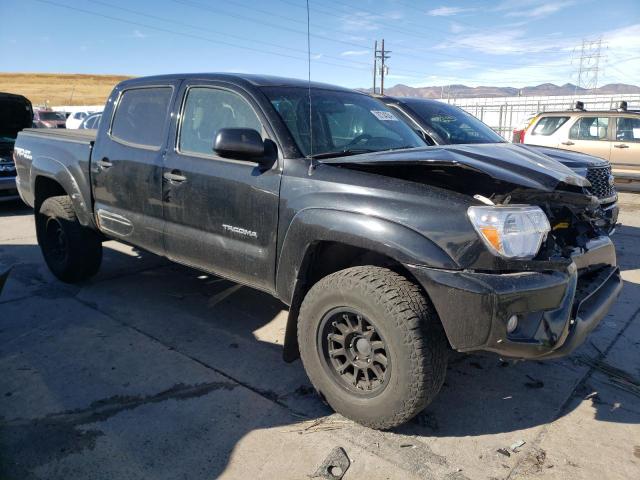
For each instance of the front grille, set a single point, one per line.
(601, 182)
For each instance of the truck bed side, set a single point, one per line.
(56, 159)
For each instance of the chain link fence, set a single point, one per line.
(504, 114)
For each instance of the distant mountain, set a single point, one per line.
(545, 89)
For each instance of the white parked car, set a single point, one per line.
(76, 118)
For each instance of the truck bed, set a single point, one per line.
(61, 155)
(84, 136)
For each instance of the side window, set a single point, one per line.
(141, 115)
(549, 125)
(590, 128)
(628, 129)
(207, 110)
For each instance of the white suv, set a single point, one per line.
(613, 135)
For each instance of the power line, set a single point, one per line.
(351, 65)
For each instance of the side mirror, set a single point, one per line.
(240, 143)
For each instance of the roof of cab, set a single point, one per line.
(238, 78)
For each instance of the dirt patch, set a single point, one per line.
(60, 89)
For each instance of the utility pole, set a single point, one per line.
(589, 66)
(375, 65)
(381, 55)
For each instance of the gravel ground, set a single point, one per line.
(153, 370)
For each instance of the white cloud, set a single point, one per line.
(354, 53)
(138, 34)
(447, 11)
(365, 21)
(540, 10)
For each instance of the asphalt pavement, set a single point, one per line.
(156, 371)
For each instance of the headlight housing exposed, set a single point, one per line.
(514, 231)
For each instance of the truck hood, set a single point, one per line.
(566, 157)
(505, 162)
(15, 114)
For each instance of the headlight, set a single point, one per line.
(511, 231)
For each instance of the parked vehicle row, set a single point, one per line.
(388, 252)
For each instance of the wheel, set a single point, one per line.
(72, 252)
(372, 345)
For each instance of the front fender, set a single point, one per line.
(374, 234)
(48, 167)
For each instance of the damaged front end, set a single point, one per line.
(541, 305)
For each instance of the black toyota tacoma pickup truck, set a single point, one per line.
(388, 252)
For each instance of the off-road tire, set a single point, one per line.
(77, 253)
(413, 335)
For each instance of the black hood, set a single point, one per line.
(567, 157)
(502, 161)
(16, 114)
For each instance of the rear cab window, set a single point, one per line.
(628, 129)
(141, 115)
(549, 125)
(590, 128)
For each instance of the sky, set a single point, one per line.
(500, 43)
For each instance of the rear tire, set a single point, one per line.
(72, 252)
(372, 345)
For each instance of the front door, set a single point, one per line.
(127, 167)
(590, 134)
(221, 214)
(625, 151)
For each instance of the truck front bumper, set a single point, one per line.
(556, 310)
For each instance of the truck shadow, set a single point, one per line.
(238, 332)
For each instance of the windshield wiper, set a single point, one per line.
(343, 153)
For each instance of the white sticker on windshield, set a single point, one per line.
(385, 116)
(636, 133)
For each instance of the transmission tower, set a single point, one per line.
(589, 66)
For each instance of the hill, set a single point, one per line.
(545, 89)
(60, 89)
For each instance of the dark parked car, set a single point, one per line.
(442, 124)
(388, 252)
(43, 118)
(15, 114)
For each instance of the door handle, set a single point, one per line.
(621, 145)
(175, 176)
(105, 163)
(568, 142)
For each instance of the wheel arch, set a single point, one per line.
(320, 242)
(50, 178)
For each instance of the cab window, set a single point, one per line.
(207, 110)
(549, 125)
(590, 128)
(141, 115)
(628, 129)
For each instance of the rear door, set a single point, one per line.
(590, 134)
(221, 214)
(127, 166)
(625, 151)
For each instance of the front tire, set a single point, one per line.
(72, 252)
(372, 345)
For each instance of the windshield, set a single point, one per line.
(343, 122)
(51, 116)
(452, 124)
